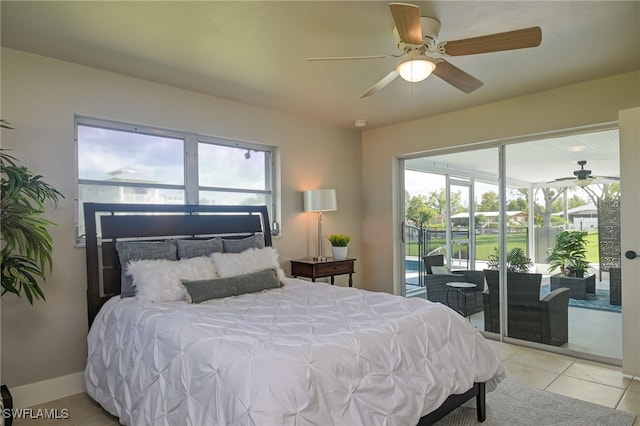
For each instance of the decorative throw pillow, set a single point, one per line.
(439, 270)
(141, 250)
(203, 290)
(247, 262)
(161, 280)
(196, 248)
(232, 245)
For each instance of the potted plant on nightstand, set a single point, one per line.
(339, 243)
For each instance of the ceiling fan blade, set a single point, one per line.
(565, 178)
(518, 39)
(456, 77)
(381, 84)
(346, 58)
(407, 20)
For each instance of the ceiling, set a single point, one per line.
(536, 163)
(254, 52)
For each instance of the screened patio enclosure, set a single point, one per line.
(454, 200)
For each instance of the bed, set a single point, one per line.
(297, 353)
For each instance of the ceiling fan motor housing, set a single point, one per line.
(582, 173)
(430, 30)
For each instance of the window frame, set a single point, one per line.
(191, 186)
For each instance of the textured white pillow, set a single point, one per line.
(437, 270)
(159, 280)
(247, 262)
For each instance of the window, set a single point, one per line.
(122, 163)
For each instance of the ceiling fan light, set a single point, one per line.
(415, 68)
(584, 182)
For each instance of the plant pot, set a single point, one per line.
(339, 253)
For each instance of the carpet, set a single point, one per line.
(514, 404)
(598, 301)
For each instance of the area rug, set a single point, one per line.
(514, 404)
(598, 301)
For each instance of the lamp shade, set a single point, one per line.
(320, 200)
(415, 68)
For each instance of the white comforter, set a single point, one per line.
(305, 354)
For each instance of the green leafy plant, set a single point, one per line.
(517, 260)
(569, 253)
(339, 240)
(27, 245)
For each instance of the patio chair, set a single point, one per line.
(528, 317)
(615, 286)
(436, 286)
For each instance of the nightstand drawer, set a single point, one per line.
(334, 268)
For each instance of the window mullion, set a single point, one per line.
(191, 170)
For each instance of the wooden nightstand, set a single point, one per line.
(310, 268)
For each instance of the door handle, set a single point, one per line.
(630, 254)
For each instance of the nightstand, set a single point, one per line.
(310, 268)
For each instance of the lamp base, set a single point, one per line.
(320, 258)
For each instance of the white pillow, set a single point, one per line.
(247, 262)
(439, 270)
(160, 280)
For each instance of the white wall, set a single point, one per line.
(40, 97)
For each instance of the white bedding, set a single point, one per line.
(307, 353)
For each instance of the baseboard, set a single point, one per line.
(47, 390)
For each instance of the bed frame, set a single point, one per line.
(151, 222)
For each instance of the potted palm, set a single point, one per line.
(569, 255)
(517, 260)
(339, 243)
(27, 245)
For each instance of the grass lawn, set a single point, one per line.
(486, 243)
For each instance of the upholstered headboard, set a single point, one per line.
(149, 222)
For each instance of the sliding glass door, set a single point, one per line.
(463, 215)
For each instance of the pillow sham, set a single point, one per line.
(141, 250)
(247, 262)
(218, 288)
(196, 248)
(439, 270)
(233, 245)
(160, 280)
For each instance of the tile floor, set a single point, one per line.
(589, 381)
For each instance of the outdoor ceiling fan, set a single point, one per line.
(422, 54)
(583, 177)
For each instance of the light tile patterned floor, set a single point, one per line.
(589, 381)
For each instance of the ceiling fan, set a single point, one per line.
(422, 54)
(583, 177)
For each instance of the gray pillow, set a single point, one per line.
(196, 248)
(218, 288)
(239, 245)
(141, 250)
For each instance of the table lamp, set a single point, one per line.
(320, 200)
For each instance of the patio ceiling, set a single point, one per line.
(536, 163)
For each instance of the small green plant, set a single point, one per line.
(569, 253)
(339, 240)
(517, 260)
